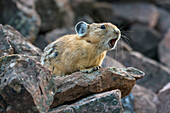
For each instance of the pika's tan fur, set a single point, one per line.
(72, 53)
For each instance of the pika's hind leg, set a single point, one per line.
(89, 70)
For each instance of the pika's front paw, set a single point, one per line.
(89, 70)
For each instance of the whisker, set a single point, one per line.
(125, 38)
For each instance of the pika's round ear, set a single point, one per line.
(81, 28)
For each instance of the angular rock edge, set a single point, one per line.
(77, 85)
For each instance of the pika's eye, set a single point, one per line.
(103, 27)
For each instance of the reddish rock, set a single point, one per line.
(26, 86)
(164, 21)
(79, 84)
(163, 100)
(143, 100)
(164, 49)
(54, 14)
(12, 42)
(57, 33)
(110, 62)
(22, 15)
(157, 75)
(107, 102)
(145, 40)
(144, 13)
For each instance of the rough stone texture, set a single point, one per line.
(54, 14)
(22, 16)
(163, 100)
(144, 100)
(12, 42)
(107, 102)
(57, 33)
(156, 76)
(110, 62)
(25, 85)
(164, 21)
(144, 13)
(128, 103)
(144, 40)
(78, 85)
(164, 49)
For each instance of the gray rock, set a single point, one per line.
(164, 21)
(21, 14)
(12, 42)
(54, 14)
(157, 75)
(164, 50)
(144, 13)
(145, 40)
(107, 102)
(163, 100)
(26, 86)
(143, 100)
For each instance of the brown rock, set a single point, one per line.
(164, 21)
(143, 100)
(107, 102)
(145, 40)
(54, 14)
(144, 13)
(12, 42)
(26, 86)
(57, 33)
(163, 100)
(164, 49)
(155, 72)
(80, 84)
(21, 14)
(110, 62)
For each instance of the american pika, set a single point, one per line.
(83, 51)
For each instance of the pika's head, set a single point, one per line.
(104, 35)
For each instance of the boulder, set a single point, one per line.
(26, 86)
(12, 42)
(155, 72)
(77, 85)
(164, 50)
(21, 14)
(163, 100)
(107, 102)
(54, 14)
(164, 4)
(144, 100)
(144, 13)
(144, 40)
(163, 23)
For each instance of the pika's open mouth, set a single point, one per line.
(112, 42)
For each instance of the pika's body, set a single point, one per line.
(83, 51)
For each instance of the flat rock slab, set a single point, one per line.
(79, 84)
(107, 102)
(25, 85)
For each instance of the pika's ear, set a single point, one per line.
(81, 28)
